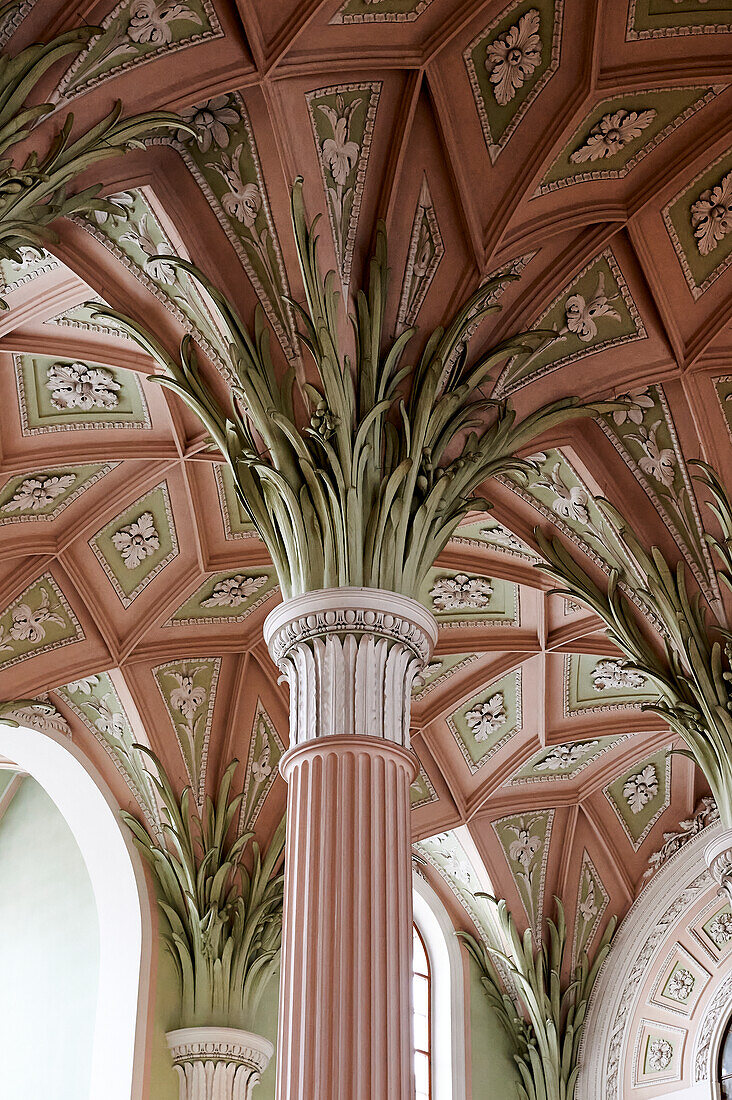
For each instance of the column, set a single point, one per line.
(350, 656)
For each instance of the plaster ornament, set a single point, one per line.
(564, 757)
(461, 593)
(721, 929)
(569, 503)
(524, 848)
(705, 814)
(711, 215)
(36, 493)
(501, 535)
(137, 541)
(210, 121)
(108, 721)
(150, 20)
(83, 687)
(580, 313)
(430, 670)
(218, 1063)
(718, 857)
(588, 907)
(612, 133)
(680, 985)
(157, 268)
(641, 789)
(233, 591)
(187, 697)
(339, 152)
(513, 56)
(658, 462)
(613, 675)
(242, 201)
(38, 714)
(125, 200)
(29, 624)
(660, 1054)
(487, 717)
(635, 402)
(80, 386)
(261, 768)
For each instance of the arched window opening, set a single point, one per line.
(422, 1017)
(725, 1064)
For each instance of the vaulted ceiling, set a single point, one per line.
(583, 147)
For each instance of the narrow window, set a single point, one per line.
(725, 1064)
(422, 1019)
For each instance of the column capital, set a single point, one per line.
(218, 1063)
(718, 858)
(350, 656)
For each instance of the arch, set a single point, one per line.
(448, 994)
(120, 891)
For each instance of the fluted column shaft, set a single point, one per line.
(350, 656)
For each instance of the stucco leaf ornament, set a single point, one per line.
(580, 313)
(680, 985)
(340, 154)
(569, 502)
(638, 401)
(588, 907)
(211, 121)
(187, 697)
(233, 591)
(80, 386)
(487, 717)
(721, 929)
(83, 687)
(29, 624)
(711, 215)
(612, 133)
(461, 593)
(513, 56)
(524, 848)
(36, 493)
(641, 789)
(564, 757)
(137, 541)
(157, 265)
(151, 21)
(660, 1053)
(615, 676)
(242, 201)
(261, 768)
(124, 201)
(657, 461)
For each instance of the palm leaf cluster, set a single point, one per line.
(545, 1019)
(689, 654)
(221, 898)
(361, 477)
(34, 191)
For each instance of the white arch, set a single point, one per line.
(448, 995)
(120, 891)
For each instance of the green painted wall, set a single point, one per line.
(494, 1072)
(49, 954)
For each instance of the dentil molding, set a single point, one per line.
(218, 1063)
(350, 656)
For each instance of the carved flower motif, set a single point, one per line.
(30, 625)
(524, 847)
(242, 201)
(151, 21)
(424, 252)
(137, 540)
(637, 401)
(186, 698)
(35, 493)
(233, 591)
(108, 721)
(580, 314)
(660, 1053)
(613, 674)
(487, 717)
(79, 386)
(84, 687)
(680, 985)
(658, 462)
(563, 757)
(721, 929)
(588, 907)
(210, 120)
(428, 673)
(612, 133)
(461, 593)
(641, 789)
(501, 535)
(711, 215)
(157, 268)
(261, 768)
(513, 56)
(123, 199)
(569, 503)
(339, 153)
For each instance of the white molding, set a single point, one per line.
(448, 994)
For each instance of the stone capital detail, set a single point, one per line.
(350, 656)
(218, 1063)
(718, 858)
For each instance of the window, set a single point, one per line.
(725, 1064)
(421, 1018)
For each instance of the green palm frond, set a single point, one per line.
(542, 1014)
(368, 483)
(221, 899)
